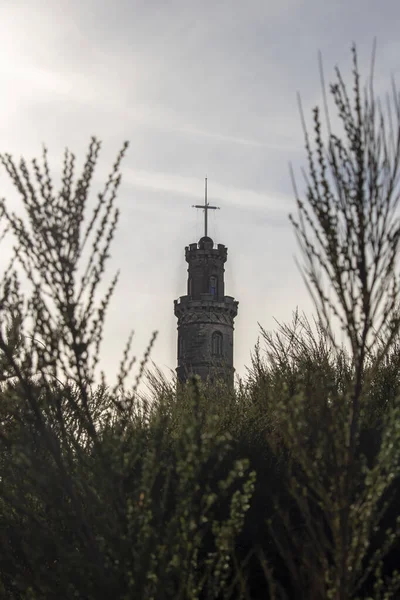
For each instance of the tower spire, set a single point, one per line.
(206, 207)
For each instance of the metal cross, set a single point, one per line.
(205, 207)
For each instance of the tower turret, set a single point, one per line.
(206, 315)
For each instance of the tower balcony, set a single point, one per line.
(206, 304)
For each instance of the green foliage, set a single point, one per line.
(348, 231)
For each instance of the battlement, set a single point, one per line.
(205, 306)
(206, 248)
(205, 298)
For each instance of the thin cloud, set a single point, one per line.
(193, 188)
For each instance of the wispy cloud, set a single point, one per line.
(193, 188)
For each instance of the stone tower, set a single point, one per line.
(205, 315)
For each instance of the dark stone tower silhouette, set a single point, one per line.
(205, 315)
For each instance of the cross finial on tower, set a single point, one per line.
(205, 207)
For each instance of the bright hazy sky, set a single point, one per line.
(198, 88)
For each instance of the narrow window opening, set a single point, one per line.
(213, 285)
(216, 343)
(180, 346)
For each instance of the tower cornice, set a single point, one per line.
(205, 310)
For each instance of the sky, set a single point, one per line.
(198, 89)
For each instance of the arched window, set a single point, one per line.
(216, 343)
(190, 287)
(213, 285)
